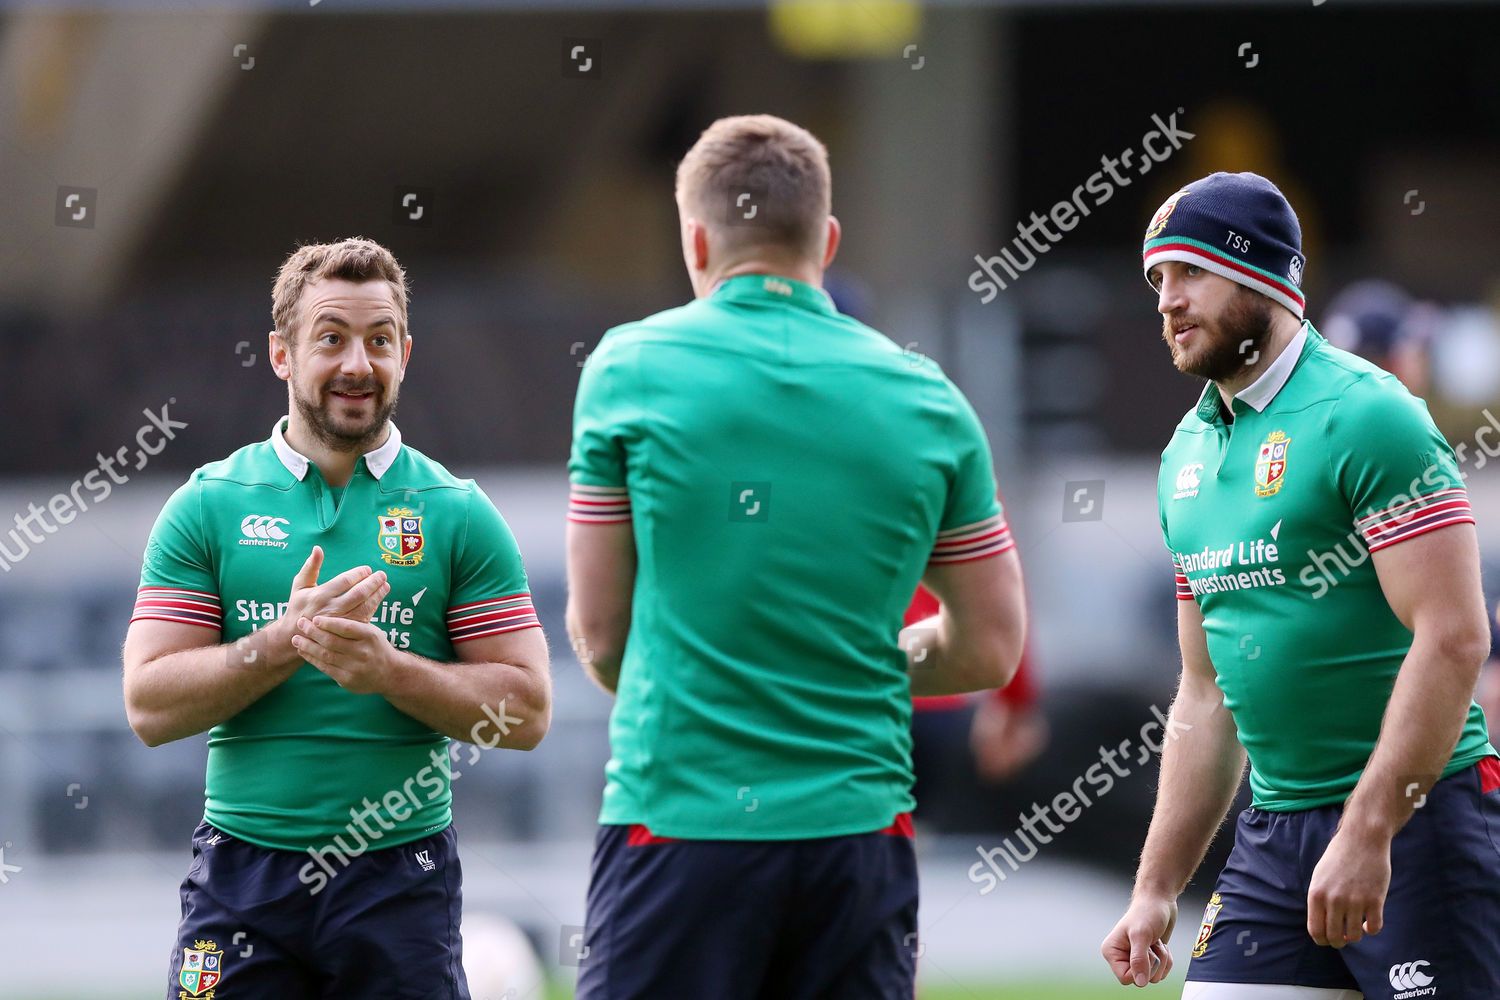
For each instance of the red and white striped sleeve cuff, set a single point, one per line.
(1184, 590)
(1414, 517)
(598, 504)
(989, 537)
(492, 617)
(173, 604)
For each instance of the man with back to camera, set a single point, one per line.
(759, 484)
(1332, 627)
(345, 691)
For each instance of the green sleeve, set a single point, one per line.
(1183, 589)
(600, 419)
(1161, 507)
(973, 524)
(973, 496)
(1392, 466)
(490, 593)
(178, 580)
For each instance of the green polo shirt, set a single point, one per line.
(1271, 519)
(788, 473)
(292, 770)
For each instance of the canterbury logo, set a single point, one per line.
(1187, 476)
(1409, 975)
(263, 526)
(424, 858)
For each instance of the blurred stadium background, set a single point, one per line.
(159, 159)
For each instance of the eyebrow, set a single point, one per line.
(337, 320)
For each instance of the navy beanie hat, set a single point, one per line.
(1238, 226)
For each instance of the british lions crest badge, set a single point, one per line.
(202, 968)
(1205, 929)
(400, 536)
(1270, 464)
(1159, 220)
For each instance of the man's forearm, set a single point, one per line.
(601, 665)
(938, 664)
(1200, 773)
(491, 704)
(599, 646)
(1423, 721)
(604, 674)
(933, 665)
(181, 694)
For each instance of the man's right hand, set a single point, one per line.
(1004, 739)
(354, 594)
(1136, 949)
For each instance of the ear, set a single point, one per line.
(281, 355)
(405, 357)
(697, 247)
(835, 233)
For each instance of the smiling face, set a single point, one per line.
(345, 361)
(1214, 327)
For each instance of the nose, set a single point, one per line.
(1171, 297)
(355, 360)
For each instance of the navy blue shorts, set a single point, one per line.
(831, 918)
(1442, 914)
(383, 928)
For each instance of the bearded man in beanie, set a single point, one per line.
(1332, 628)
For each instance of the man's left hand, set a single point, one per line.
(356, 655)
(1346, 898)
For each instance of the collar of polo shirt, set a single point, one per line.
(773, 287)
(377, 460)
(1258, 394)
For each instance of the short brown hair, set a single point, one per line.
(782, 167)
(353, 259)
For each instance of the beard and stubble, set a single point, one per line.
(340, 431)
(1225, 345)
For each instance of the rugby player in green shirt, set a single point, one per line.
(759, 484)
(1332, 628)
(326, 866)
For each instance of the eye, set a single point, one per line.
(381, 340)
(1194, 270)
(330, 338)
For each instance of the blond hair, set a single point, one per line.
(354, 259)
(759, 180)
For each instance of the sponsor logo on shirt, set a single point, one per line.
(390, 616)
(1270, 464)
(1241, 565)
(263, 529)
(400, 536)
(1187, 481)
